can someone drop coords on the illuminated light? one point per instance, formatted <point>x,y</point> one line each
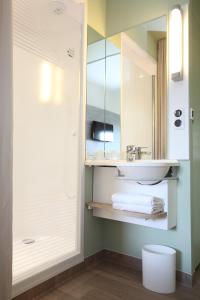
<point>108,136</point>
<point>176,44</point>
<point>102,136</point>
<point>141,76</point>
<point>58,85</point>
<point>46,82</point>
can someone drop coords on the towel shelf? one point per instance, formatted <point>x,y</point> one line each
<point>107,206</point>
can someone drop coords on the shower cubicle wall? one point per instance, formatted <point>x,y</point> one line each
<point>47,76</point>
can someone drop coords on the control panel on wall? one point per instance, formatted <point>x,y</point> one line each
<point>179,118</point>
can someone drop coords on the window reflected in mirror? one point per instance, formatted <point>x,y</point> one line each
<point>113,96</point>
<point>96,72</point>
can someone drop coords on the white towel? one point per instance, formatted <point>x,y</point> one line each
<point>137,199</point>
<point>138,208</point>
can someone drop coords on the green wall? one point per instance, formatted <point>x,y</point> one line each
<point>93,227</point>
<point>144,39</point>
<point>194,85</point>
<point>97,15</point>
<point>93,36</point>
<point>124,14</point>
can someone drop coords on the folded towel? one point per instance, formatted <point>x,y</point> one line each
<point>138,208</point>
<point>138,199</point>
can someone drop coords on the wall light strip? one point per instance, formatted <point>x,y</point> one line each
<point>176,44</point>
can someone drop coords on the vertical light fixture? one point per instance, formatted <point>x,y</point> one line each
<point>176,43</point>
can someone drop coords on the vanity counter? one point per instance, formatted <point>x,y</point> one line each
<point>116,163</point>
<point>102,163</point>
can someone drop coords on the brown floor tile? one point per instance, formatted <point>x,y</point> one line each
<point>112,282</point>
<point>80,286</point>
<point>56,295</point>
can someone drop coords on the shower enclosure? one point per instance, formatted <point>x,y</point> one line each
<point>47,78</point>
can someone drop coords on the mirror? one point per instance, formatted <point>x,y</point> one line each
<point>95,112</point>
<point>127,92</point>
<point>103,98</point>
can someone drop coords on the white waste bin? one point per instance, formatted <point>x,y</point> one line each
<point>159,268</point>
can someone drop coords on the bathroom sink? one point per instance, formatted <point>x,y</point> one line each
<point>145,170</point>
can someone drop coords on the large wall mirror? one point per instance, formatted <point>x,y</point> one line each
<point>127,92</point>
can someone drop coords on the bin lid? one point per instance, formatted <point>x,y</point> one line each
<point>159,249</point>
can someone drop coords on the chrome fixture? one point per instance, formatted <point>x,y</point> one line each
<point>28,241</point>
<point>57,7</point>
<point>135,152</point>
<point>71,52</point>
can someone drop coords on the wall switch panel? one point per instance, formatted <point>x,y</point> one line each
<point>179,118</point>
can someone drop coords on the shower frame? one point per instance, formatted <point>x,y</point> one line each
<point>68,263</point>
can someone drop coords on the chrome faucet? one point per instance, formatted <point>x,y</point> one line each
<point>134,152</point>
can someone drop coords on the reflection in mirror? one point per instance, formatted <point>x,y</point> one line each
<point>103,99</point>
<point>113,96</point>
<point>95,117</point>
<point>144,78</point>
<point>127,92</point>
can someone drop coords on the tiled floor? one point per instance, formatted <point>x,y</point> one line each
<point>111,282</point>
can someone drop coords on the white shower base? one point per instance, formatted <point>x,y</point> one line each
<point>45,252</point>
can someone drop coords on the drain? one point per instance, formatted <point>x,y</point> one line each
<point>28,241</point>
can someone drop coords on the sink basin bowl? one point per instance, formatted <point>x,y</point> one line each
<point>146,170</point>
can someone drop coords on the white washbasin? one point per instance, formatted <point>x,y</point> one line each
<point>147,170</point>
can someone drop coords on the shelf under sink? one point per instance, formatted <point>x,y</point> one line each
<point>108,207</point>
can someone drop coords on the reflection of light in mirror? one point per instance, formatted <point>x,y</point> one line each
<point>141,76</point>
<point>102,136</point>
<point>108,136</point>
<point>46,82</point>
<point>58,85</point>
<point>176,44</point>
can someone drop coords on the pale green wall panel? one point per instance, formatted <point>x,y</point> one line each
<point>93,228</point>
<point>194,17</point>
<point>144,40</point>
<point>97,15</point>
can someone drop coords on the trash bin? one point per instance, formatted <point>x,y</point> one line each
<point>159,268</point>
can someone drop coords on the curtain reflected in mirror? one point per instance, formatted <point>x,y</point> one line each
<point>160,134</point>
